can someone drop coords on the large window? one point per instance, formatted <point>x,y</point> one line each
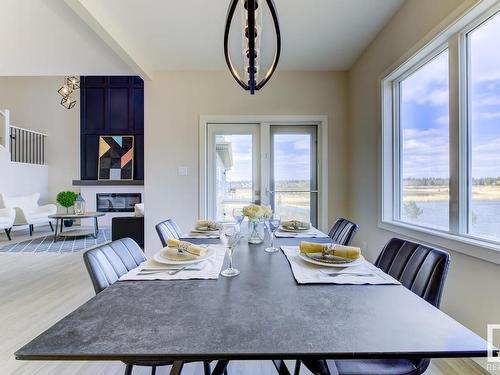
<point>424,144</point>
<point>441,134</point>
<point>484,102</point>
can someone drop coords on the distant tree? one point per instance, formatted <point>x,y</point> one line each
<point>411,210</point>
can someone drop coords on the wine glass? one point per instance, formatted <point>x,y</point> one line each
<point>229,237</point>
<point>273,224</point>
<point>238,215</point>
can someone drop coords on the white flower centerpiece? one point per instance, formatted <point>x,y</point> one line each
<point>256,214</point>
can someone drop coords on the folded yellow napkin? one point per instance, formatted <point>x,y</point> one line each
<point>350,252</point>
<point>296,224</point>
<point>207,225</point>
<point>188,246</point>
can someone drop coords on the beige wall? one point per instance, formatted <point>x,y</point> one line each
<point>174,102</point>
<point>472,285</point>
<point>34,104</point>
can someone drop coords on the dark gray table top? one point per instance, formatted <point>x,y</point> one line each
<point>262,313</point>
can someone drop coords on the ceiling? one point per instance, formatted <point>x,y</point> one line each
<point>62,36</point>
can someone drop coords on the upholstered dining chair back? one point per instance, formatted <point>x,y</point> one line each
<point>420,268</point>
<point>167,230</point>
<point>107,263</point>
<point>343,231</point>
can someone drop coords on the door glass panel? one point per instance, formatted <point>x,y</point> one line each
<point>293,174</point>
<point>234,184</point>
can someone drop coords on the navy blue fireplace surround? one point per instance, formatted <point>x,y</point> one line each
<point>110,105</point>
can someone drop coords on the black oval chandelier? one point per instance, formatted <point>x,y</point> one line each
<point>252,12</point>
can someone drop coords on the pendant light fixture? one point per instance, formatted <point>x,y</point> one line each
<point>252,15</point>
<point>71,83</point>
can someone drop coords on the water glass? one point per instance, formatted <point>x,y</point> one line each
<point>238,215</point>
<point>273,224</point>
<point>229,237</point>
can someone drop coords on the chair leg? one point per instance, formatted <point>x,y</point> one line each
<point>153,370</point>
<point>206,368</point>
<point>297,368</point>
<point>51,227</point>
<point>31,230</point>
<point>7,232</point>
<point>128,369</point>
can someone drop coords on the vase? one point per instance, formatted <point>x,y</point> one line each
<point>256,231</point>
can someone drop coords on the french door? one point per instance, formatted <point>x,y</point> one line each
<point>233,168</point>
<point>274,165</point>
<point>293,172</point>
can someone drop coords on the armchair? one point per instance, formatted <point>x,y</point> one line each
<point>28,212</point>
<point>7,217</point>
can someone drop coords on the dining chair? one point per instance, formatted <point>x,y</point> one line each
<point>343,231</point>
<point>422,270</point>
<point>105,265</point>
<point>167,230</point>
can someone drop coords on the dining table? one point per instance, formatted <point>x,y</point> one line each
<point>261,314</point>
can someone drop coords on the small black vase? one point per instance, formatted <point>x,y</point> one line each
<point>68,223</point>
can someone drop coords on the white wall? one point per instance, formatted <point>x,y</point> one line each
<point>34,104</point>
<point>21,179</point>
<point>472,286</point>
<point>47,38</point>
<point>175,100</point>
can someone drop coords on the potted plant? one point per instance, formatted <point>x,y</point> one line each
<point>66,199</point>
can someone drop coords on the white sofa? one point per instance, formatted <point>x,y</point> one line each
<point>28,212</point>
<point>7,217</point>
<point>139,209</point>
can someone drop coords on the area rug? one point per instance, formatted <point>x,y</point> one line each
<point>46,244</point>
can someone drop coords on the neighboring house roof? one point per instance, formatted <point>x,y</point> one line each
<point>225,152</point>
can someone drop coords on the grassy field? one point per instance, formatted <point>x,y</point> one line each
<point>441,193</point>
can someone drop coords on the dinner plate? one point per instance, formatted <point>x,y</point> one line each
<point>300,230</point>
<point>161,259</point>
<point>205,231</point>
<point>356,262</point>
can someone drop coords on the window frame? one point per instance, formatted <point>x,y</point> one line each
<point>451,34</point>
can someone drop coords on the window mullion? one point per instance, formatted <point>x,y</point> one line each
<point>455,203</point>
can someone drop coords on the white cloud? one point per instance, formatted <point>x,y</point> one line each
<point>485,53</point>
<point>486,159</point>
<point>425,153</point>
<point>429,84</point>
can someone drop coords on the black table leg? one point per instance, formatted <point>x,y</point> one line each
<point>60,231</point>
<point>176,368</point>
<point>96,228</point>
<point>7,232</point>
<point>220,368</point>
<point>281,367</point>
<point>51,227</point>
<point>128,369</point>
<point>57,227</point>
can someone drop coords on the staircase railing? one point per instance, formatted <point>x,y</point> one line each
<point>27,146</point>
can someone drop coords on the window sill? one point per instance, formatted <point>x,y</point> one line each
<point>476,248</point>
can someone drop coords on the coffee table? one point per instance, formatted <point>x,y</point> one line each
<point>78,232</point>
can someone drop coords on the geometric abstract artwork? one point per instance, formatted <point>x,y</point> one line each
<point>116,157</point>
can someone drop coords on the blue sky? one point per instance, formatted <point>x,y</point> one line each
<point>291,153</point>
<point>424,113</point>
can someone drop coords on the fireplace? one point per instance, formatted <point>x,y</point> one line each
<point>117,202</point>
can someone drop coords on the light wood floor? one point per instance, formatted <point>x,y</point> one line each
<point>36,290</point>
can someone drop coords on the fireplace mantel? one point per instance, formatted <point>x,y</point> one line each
<point>108,182</point>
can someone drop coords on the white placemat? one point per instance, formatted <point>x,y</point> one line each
<point>308,273</point>
<point>208,269</point>
<point>311,233</point>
